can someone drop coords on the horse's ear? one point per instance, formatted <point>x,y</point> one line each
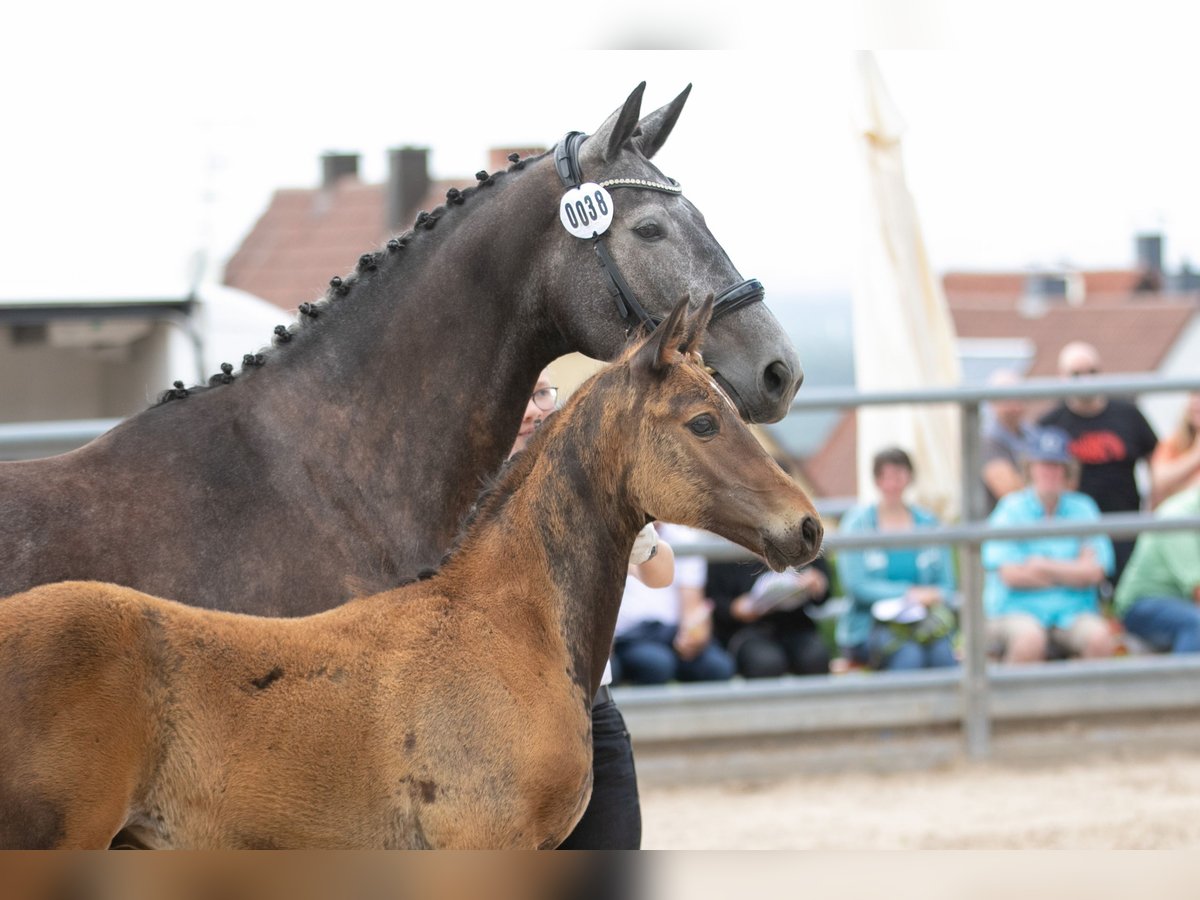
<point>697,327</point>
<point>656,127</point>
<point>609,138</point>
<point>661,349</point>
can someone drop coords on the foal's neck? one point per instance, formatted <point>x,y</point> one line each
<point>559,547</point>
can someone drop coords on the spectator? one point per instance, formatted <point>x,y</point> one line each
<point>665,634</point>
<point>1175,464</point>
<point>1041,594</point>
<point>542,402</point>
<point>1108,437</point>
<point>899,617</point>
<point>1003,438</point>
<point>764,626</point>
<point>1157,596</point>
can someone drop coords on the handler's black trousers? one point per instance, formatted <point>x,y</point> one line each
<point>613,818</point>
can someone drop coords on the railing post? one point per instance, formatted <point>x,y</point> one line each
<point>976,715</point>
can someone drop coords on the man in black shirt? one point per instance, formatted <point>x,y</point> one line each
<point>1108,437</point>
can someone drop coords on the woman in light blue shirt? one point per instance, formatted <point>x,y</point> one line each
<point>913,627</point>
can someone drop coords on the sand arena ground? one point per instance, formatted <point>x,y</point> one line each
<point>1100,803</point>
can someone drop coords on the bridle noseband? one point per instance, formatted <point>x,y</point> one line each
<point>566,163</point>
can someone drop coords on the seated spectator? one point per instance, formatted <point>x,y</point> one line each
<point>1157,595</point>
<point>899,617</point>
<point>761,617</point>
<point>1175,464</point>
<point>1042,594</point>
<point>1004,435</point>
<point>665,634</point>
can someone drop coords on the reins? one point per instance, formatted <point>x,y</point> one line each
<point>632,313</point>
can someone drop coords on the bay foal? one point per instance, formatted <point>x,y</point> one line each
<point>452,712</point>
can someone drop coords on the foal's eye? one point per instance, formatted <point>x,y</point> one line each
<point>703,426</point>
<point>648,231</point>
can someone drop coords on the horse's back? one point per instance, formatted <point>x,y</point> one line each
<point>87,514</point>
<point>79,701</point>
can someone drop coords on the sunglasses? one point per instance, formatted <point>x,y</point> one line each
<point>1079,373</point>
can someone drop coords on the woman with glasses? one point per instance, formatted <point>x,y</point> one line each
<point>542,402</point>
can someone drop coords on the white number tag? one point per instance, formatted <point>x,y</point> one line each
<point>586,211</point>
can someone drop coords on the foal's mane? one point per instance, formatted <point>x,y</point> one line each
<point>499,488</point>
<point>370,269</point>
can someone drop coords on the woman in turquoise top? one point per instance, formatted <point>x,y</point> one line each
<point>914,627</point>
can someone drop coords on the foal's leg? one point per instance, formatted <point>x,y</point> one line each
<point>76,718</point>
<point>65,787</point>
<point>32,822</point>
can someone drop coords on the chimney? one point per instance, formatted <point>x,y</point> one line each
<point>1149,262</point>
<point>408,183</point>
<point>337,165</point>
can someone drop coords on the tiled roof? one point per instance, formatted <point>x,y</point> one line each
<point>308,235</point>
<point>832,470</point>
<point>1130,338</point>
<point>1004,290</point>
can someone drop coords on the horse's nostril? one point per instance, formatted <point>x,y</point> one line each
<point>812,531</point>
<point>777,379</point>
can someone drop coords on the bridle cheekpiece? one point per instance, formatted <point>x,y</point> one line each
<point>566,164</point>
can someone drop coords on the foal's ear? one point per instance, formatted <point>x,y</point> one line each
<point>669,339</point>
<point>697,327</point>
<point>656,127</point>
<point>606,141</point>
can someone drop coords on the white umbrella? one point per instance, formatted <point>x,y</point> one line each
<point>903,333</point>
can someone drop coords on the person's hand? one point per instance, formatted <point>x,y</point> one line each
<point>812,581</point>
<point>695,631</point>
<point>645,545</point>
<point>743,610</point>
<point>926,595</point>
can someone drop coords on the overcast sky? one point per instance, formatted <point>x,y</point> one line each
<point>134,138</point>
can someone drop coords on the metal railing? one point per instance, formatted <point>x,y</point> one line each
<point>974,683</point>
<point>974,680</point>
<point>30,440</point>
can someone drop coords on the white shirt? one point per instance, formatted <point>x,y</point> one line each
<point>645,604</point>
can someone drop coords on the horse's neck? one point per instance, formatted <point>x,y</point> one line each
<point>433,362</point>
<point>572,541</point>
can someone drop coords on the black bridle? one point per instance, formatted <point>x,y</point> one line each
<point>566,163</point>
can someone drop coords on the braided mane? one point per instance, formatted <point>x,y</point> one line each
<point>370,268</point>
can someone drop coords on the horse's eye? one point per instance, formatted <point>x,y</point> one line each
<point>648,231</point>
<point>703,426</point>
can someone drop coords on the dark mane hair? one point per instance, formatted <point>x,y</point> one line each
<point>498,489</point>
<point>370,267</point>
